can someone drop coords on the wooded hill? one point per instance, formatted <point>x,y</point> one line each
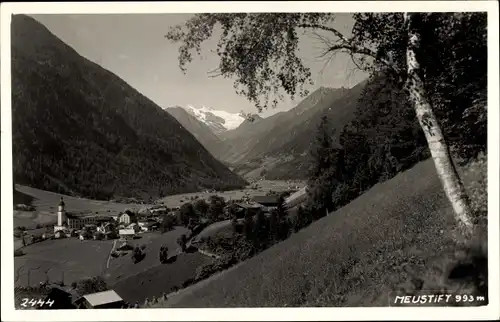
<point>79,129</point>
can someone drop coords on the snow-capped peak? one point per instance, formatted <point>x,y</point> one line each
<point>218,121</point>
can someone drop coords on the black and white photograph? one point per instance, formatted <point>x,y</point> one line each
<point>221,155</point>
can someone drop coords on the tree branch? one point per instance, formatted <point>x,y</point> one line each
<point>348,45</point>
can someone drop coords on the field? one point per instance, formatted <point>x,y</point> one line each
<point>398,235</point>
<point>122,267</point>
<point>264,187</point>
<point>67,260</point>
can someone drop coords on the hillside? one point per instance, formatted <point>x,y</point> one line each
<point>341,260</point>
<point>81,130</point>
<point>198,129</point>
<point>277,147</point>
<point>255,139</point>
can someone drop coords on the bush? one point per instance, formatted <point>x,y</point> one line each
<point>137,255</point>
<point>182,242</point>
<point>91,285</point>
<point>18,252</point>
<point>167,223</point>
<point>163,255</point>
<point>218,265</point>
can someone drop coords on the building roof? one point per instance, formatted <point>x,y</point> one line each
<point>296,197</point>
<point>266,199</point>
<point>253,205</point>
<point>126,232</point>
<point>72,215</point>
<point>101,298</point>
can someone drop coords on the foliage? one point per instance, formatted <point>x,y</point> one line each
<point>187,212</point>
<point>91,285</point>
<point>168,222</point>
<point>163,255</point>
<point>201,207</point>
<point>137,255</point>
<point>216,208</point>
<point>326,167</point>
<point>453,61</point>
<point>182,242</point>
<point>257,50</point>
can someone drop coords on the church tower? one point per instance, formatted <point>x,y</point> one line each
<point>61,213</point>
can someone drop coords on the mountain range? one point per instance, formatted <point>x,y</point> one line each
<point>277,147</point>
<point>217,120</point>
<point>79,129</point>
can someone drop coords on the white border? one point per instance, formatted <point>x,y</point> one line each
<point>270,314</point>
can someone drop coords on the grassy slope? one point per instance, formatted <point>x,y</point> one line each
<point>81,130</point>
<point>353,257</point>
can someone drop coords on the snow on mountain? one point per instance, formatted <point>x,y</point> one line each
<point>218,121</point>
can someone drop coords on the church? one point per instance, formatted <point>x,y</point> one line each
<point>68,222</point>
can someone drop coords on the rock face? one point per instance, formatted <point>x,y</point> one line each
<point>80,129</point>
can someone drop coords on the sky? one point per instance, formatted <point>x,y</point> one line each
<point>133,47</point>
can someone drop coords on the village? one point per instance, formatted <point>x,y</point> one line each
<point>108,237</point>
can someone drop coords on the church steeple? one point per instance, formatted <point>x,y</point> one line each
<point>61,213</point>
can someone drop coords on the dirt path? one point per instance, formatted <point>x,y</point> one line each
<point>111,251</point>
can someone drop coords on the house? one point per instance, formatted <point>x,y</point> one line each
<point>148,225</point>
<point>105,227</point>
<point>135,227</point>
<point>269,202</point>
<point>101,300</point>
<point>126,233</point>
<point>127,218</point>
<point>78,221</point>
<point>158,211</point>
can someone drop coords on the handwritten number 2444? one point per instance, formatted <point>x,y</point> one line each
<point>26,302</point>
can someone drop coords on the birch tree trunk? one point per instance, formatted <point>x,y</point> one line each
<point>440,152</point>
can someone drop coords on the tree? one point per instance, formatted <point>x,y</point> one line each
<point>201,207</point>
<point>248,225</point>
<point>182,242</point>
<point>260,51</point>
<point>163,255</point>
<point>325,169</point>
<point>137,255</point>
<point>186,212</point>
<point>216,207</point>
<point>168,223</point>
